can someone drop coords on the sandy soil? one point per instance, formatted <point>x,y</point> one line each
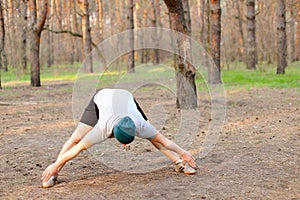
<point>256,157</point>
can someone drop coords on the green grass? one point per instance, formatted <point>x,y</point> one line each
<point>264,76</point>
<point>54,73</point>
<point>236,78</point>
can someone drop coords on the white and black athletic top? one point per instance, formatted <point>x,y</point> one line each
<point>114,104</point>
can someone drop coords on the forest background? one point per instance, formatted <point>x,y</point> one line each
<point>254,32</point>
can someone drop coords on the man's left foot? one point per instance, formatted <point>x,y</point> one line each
<point>186,169</point>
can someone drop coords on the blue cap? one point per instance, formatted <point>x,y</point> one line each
<point>124,131</point>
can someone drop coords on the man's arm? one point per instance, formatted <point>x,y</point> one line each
<point>68,155</point>
<point>168,144</point>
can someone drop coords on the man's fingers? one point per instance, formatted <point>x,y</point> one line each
<point>193,164</point>
<point>46,175</point>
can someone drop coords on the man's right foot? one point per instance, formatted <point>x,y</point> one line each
<point>186,169</point>
<point>51,182</point>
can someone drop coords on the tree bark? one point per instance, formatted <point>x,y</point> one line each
<point>187,16</point>
<point>240,21</point>
<point>251,29</point>
<point>142,21</point>
<point>68,8</point>
<point>24,35</point>
<point>156,22</point>
<point>281,38</point>
<point>130,27</point>
<point>297,55</point>
<point>75,29</point>
<point>2,34</point>
<point>3,58</point>
<point>86,33</point>
<point>100,19</point>
<point>214,72</point>
<point>201,13</point>
<point>37,24</point>
<point>11,20</point>
<point>292,24</point>
<point>185,72</point>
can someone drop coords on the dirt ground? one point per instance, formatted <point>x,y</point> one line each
<point>257,155</point>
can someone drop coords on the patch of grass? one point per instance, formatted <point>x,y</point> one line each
<point>264,76</point>
<point>237,77</point>
<point>53,73</point>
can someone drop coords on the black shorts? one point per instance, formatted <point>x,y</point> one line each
<point>90,115</point>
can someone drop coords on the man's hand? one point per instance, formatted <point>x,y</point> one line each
<point>188,157</point>
<point>50,171</point>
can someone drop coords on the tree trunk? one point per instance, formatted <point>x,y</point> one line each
<point>118,16</point>
<point>251,50</point>
<point>2,33</point>
<point>86,35</point>
<point>187,16</point>
<point>292,31</point>
<point>130,27</point>
<point>201,13</point>
<point>68,8</point>
<point>281,38</point>
<point>100,20</point>
<point>208,28</point>
<point>240,18</point>
<point>156,22</point>
<point>297,55</point>
<point>185,72</point>
<point>24,36</point>
<point>37,24</point>
<point>141,21</point>
<point>11,19</point>
<point>3,59</point>
<point>75,29</point>
<point>51,39</point>
<point>111,15</point>
<point>214,72</point>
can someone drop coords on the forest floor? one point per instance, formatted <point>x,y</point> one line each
<point>257,155</point>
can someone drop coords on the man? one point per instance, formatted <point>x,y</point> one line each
<point>114,113</point>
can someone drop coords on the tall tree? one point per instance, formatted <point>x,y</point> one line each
<point>130,27</point>
<point>75,29</point>
<point>292,23</point>
<point>99,20</point>
<point>141,20</point>
<point>2,38</point>
<point>11,21</point>
<point>214,72</point>
<point>281,38</point>
<point>187,16</point>
<point>201,14</point>
<point>241,31</point>
<point>251,29</point>
<point>185,72</point>
<point>297,56</point>
<point>3,59</point>
<point>86,35</point>
<point>156,22</point>
<point>37,23</point>
<point>24,35</point>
